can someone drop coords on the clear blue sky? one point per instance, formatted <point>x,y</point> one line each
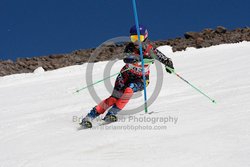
<point>42,27</point>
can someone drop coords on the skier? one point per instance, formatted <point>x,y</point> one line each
<point>130,80</point>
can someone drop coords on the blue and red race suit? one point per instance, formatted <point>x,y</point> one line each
<point>130,79</point>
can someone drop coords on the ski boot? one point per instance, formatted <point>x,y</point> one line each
<point>111,115</point>
<point>87,121</point>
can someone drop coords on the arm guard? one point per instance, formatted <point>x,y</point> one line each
<point>131,59</point>
<point>164,60</point>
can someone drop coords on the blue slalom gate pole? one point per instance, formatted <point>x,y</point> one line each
<point>141,54</point>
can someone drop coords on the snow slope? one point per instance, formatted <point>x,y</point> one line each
<point>37,111</point>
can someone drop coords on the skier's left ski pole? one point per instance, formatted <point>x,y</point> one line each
<point>173,71</point>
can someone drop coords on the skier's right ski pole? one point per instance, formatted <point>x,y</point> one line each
<point>173,71</point>
<point>147,61</point>
<point>77,91</point>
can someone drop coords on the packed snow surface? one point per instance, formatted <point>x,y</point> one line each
<point>38,114</point>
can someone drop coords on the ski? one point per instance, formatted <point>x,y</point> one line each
<point>105,121</point>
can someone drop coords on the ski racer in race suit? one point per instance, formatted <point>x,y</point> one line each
<point>130,79</point>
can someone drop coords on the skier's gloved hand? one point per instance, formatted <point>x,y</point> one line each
<point>131,59</point>
<point>169,64</point>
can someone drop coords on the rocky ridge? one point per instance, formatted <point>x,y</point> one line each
<point>205,38</point>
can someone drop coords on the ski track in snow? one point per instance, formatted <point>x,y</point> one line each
<point>37,110</point>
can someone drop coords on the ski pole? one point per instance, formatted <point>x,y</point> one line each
<point>77,91</point>
<point>173,71</point>
<point>148,61</point>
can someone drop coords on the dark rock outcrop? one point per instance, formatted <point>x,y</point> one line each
<point>206,38</point>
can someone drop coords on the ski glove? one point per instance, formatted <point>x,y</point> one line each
<point>169,63</point>
<point>131,59</point>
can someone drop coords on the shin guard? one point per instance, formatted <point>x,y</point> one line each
<point>105,104</point>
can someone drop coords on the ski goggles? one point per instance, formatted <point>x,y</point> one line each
<point>134,38</point>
